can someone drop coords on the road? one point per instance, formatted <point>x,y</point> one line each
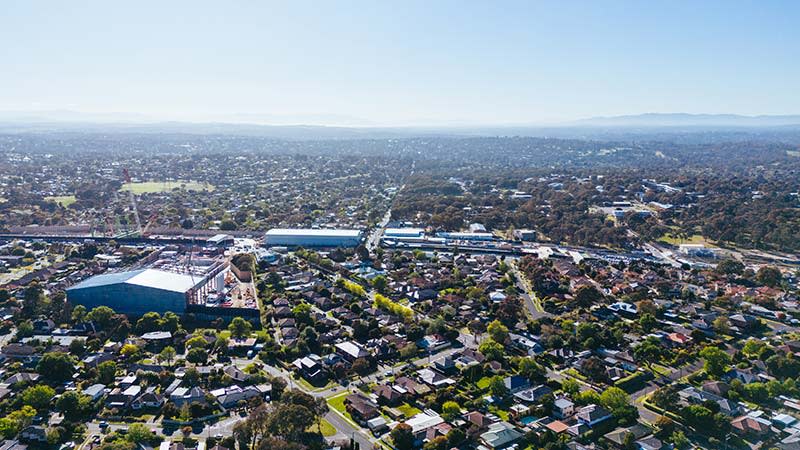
<point>641,395</point>
<point>374,237</point>
<point>531,301</point>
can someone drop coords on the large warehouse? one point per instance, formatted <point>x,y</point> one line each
<point>137,292</point>
<point>307,237</point>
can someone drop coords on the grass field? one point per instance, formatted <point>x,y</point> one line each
<point>63,200</point>
<point>147,187</point>
<point>674,240</point>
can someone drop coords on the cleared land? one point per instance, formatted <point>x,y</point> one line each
<point>674,240</point>
<point>63,200</point>
<point>148,187</point>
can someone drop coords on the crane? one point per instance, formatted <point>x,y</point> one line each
<point>127,175</point>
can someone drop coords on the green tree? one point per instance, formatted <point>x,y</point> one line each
<point>240,328</point>
<point>101,315</point>
<point>139,433</point>
<point>679,440</point>
<point>450,410</point>
<point>38,397</point>
<point>730,267</point>
<point>78,313</point>
<point>73,404</point>
<point>14,422</point>
<point>106,372</point>
<point>402,437</point>
<point>769,276</point>
<point>167,354</point>
<point>587,296</point>
<point>648,351</point>
<point>715,361</point>
<point>56,366</point>
<point>497,387</point>
<point>149,322</point>
<point>619,403</point>
<point>492,350</point>
<point>570,386</point>
<point>197,356</point>
<point>497,331</point>
<point>530,369</point>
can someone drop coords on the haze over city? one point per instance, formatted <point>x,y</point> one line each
<point>387,64</point>
<point>441,225</point>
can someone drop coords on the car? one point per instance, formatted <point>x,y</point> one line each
<point>218,436</point>
<point>103,425</point>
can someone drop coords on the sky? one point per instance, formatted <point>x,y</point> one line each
<point>399,63</point>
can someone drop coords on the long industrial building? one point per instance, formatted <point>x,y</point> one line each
<point>307,237</point>
<point>137,292</point>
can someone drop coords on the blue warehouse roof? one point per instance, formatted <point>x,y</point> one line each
<point>152,278</point>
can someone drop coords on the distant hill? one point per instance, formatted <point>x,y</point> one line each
<point>689,120</point>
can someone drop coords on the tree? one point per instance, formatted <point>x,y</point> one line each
<point>139,433</point>
<point>769,276</point>
<point>14,422</point>
<point>196,342</point>
<point>647,322</point>
<point>679,440</point>
<point>666,397</point>
<point>530,369</point>
<point>56,366</point>
<point>497,386</point>
<point>77,347</point>
<point>129,350</point>
<point>167,354</point>
<point>570,386</point>
<point>497,331</point>
<point>721,325</point>
<point>587,296</point>
<point>492,350</point>
<point>149,322</point>
<point>648,351</point>
<point>380,283</point>
<point>402,437</point>
<point>450,410</point>
<point>38,397</point>
<point>228,225</point>
<point>79,313</point>
<point>730,267</point>
<point>239,328</point>
<point>716,361</point>
<point>361,366</point>
<point>619,403</point>
<point>101,315</point>
<point>106,372</point>
<point>73,404</point>
<point>197,356</point>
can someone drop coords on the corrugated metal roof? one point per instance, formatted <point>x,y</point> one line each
<point>152,278</point>
<point>313,232</point>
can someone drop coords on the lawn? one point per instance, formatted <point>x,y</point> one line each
<point>328,430</point>
<point>484,382</point>
<point>166,186</point>
<point>408,410</point>
<point>63,200</point>
<point>337,402</point>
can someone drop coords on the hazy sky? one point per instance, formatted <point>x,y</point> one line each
<point>400,62</point>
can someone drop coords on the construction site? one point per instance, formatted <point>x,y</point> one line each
<point>175,281</point>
